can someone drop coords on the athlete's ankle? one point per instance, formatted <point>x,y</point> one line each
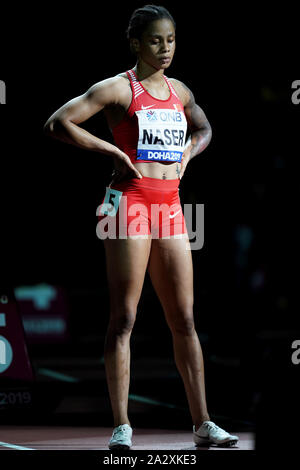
<point>119,422</point>
<point>199,422</point>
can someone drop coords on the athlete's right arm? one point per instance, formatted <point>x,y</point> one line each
<point>63,124</point>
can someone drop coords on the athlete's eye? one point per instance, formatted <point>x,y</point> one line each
<point>157,41</point>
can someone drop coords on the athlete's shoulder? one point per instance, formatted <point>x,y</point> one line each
<point>183,92</point>
<point>116,82</point>
<point>123,75</point>
<point>115,89</point>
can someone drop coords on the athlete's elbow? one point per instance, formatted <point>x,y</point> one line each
<point>48,127</point>
<point>53,127</point>
<point>209,133</point>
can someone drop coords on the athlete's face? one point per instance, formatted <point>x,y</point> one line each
<point>157,45</point>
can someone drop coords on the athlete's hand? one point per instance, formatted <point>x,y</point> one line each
<point>184,161</point>
<point>124,168</point>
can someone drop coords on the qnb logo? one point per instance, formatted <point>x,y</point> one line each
<point>296,354</point>
<point>296,94</point>
<point>2,92</point>
<point>164,116</point>
<point>151,116</point>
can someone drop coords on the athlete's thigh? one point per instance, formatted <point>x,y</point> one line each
<point>171,272</point>
<point>126,264</point>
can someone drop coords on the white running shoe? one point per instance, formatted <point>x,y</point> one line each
<point>209,432</point>
<point>121,437</point>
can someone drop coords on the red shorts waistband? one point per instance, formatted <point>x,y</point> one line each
<point>147,182</point>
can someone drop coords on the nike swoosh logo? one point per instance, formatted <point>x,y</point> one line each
<point>174,215</point>
<point>147,107</point>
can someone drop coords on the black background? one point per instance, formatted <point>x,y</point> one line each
<point>50,190</point>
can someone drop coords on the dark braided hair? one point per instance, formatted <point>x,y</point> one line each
<point>142,17</point>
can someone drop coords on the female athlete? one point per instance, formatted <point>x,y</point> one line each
<point>149,115</point>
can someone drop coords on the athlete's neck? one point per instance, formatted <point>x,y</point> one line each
<point>147,72</point>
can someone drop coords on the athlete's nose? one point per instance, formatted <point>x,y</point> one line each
<point>166,47</point>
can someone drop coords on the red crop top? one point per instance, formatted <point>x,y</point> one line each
<point>152,129</point>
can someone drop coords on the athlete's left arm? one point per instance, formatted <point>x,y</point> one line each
<point>198,124</point>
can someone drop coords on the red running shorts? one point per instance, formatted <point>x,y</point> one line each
<point>141,207</point>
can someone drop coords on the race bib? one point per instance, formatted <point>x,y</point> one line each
<point>162,134</point>
<point>111,202</point>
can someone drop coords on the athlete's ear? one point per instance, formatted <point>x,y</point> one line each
<point>134,45</point>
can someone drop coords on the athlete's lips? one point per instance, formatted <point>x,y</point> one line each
<point>165,59</point>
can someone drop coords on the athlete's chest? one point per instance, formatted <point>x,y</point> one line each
<point>159,92</point>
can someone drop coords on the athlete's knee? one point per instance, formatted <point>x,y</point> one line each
<point>182,323</point>
<point>122,320</point>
